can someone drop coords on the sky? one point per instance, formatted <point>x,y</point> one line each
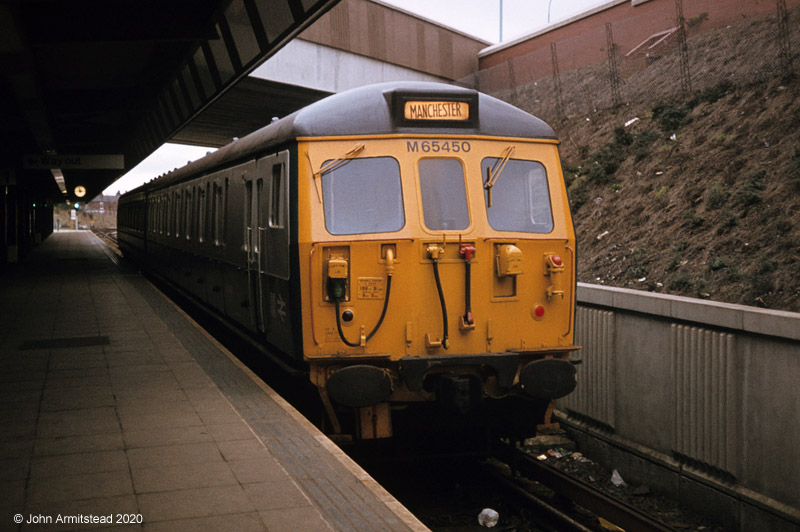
<point>167,157</point>
<point>475,17</point>
<point>482,17</point>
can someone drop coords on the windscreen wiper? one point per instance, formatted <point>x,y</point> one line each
<point>332,165</point>
<point>494,172</point>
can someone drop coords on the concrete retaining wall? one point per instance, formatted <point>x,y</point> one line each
<point>706,391</point>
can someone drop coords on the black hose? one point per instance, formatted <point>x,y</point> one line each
<point>377,325</point>
<point>385,306</point>
<point>467,294</point>
<point>441,302</point>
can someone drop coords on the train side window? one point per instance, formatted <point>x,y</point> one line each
<point>218,212</point>
<point>444,194</point>
<point>223,208</point>
<point>248,214</point>
<point>363,196</point>
<point>179,213</point>
<point>195,210</point>
<point>277,203</point>
<point>215,214</point>
<point>201,214</point>
<point>259,221</point>
<point>168,214</point>
<point>176,214</point>
<point>187,210</point>
<point>520,197</point>
<point>162,208</point>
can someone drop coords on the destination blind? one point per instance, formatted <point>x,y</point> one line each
<point>436,110</point>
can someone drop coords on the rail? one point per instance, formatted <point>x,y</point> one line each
<point>106,234</point>
<point>615,511</point>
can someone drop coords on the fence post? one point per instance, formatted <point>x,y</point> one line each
<point>557,80</point>
<point>613,73</point>
<point>513,82</point>
<point>686,81</point>
<point>785,53</point>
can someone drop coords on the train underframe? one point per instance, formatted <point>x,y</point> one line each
<point>507,394</point>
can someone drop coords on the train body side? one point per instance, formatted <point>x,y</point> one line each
<point>225,239</point>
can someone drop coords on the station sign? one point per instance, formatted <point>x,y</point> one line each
<point>109,161</point>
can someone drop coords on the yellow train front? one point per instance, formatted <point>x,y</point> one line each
<point>408,244</point>
<point>436,258</point>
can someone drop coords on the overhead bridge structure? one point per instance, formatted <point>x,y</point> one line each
<point>356,43</point>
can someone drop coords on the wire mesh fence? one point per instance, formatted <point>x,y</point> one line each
<point>655,56</point>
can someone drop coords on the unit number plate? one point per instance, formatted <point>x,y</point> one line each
<point>437,146</point>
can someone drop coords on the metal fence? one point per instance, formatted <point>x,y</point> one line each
<point>614,64</point>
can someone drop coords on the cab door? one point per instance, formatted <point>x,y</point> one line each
<point>254,218</point>
<point>273,236</point>
<point>274,171</point>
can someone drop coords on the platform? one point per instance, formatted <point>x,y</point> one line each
<point>114,404</point>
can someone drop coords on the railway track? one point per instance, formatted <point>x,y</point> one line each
<point>548,516</point>
<point>106,234</point>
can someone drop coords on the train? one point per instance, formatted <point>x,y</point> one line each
<point>407,245</point>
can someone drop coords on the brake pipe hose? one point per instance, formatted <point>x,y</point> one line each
<point>467,251</point>
<point>467,295</point>
<point>435,262</point>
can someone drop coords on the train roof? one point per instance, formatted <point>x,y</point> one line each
<point>374,110</point>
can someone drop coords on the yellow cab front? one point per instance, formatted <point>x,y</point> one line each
<point>434,266</point>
